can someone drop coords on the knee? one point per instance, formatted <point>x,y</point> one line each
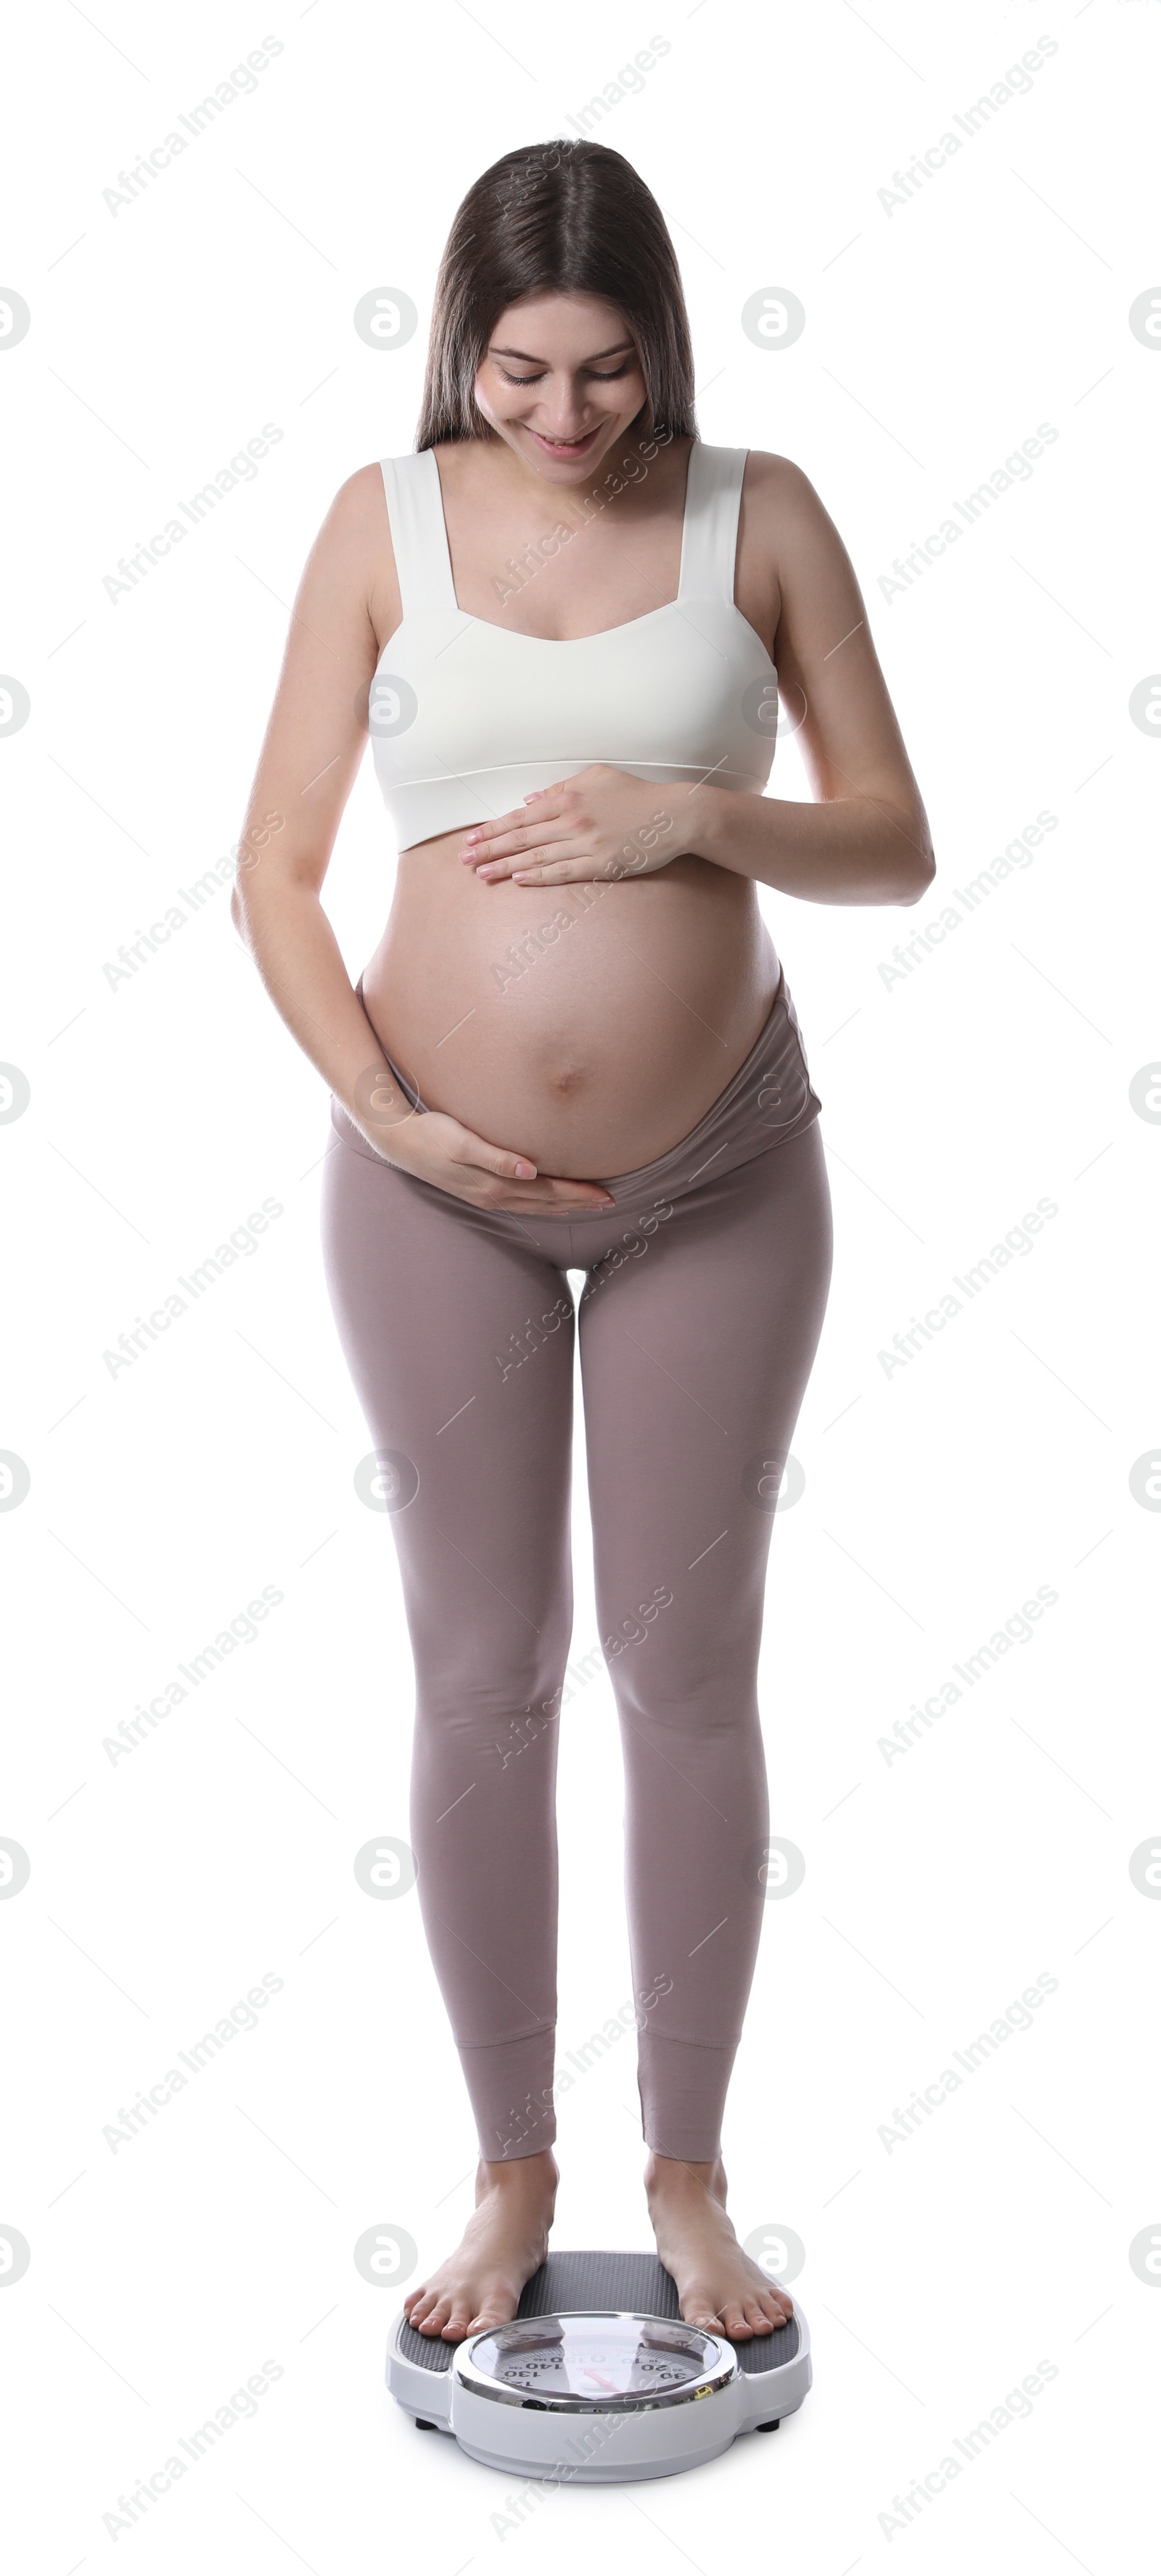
<point>522,1725</point>
<point>708,1697</point>
<point>678,1672</point>
<point>473,1701</point>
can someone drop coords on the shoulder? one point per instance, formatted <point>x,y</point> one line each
<point>351,566</point>
<point>784,516</point>
<point>775,489</point>
<point>359,506</point>
<point>357,527</point>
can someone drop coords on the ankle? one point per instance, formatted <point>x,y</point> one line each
<point>668,2175</point>
<point>531,2177</point>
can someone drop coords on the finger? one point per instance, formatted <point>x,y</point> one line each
<point>512,845</point>
<point>526,863</point>
<point>547,852</point>
<point>545,1191</point>
<point>482,835</point>
<point>528,1199</point>
<point>476,1154</point>
<point>581,863</point>
<point>552,872</point>
<point>496,823</point>
<point>581,1198</point>
<point>493,871</point>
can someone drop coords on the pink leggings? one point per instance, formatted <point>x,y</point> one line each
<point>699,1319</point>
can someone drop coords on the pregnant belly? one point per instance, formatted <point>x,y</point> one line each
<point>589,1026</point>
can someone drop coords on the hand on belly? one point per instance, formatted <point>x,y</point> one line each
<point>589,1026</point>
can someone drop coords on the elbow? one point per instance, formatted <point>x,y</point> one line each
<point>918,882</point>
<point>264,901</point>
<point>240,917</point>
<point>919,873</point>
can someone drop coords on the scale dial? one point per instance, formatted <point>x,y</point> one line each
<point>595,2359</point>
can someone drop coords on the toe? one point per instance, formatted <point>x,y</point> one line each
<point>757,2317</point>
<point>432,2322</point>
<point>737,2325</point>
<point>492,2312</point>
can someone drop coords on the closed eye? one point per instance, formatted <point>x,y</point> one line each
<point>597,377</point>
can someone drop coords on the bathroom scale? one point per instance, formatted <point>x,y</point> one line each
<point>597,2378</point>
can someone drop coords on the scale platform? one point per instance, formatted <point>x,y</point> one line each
<point>598,2379</point>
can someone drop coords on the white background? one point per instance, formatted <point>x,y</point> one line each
<point>938,2270</point>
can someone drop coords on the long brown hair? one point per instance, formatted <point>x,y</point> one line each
<point>563,217</point>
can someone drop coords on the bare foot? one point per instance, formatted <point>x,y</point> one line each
<point>718,2286</point>
<point>504,2243</point>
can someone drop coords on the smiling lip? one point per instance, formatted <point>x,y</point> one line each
<point>563,447</point>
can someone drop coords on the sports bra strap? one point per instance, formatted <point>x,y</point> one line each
<point>710,542</point>
<point>418,533</point>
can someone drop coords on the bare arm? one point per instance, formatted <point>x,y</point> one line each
<point>348,599</point>
<point>312,749</point>
<point>867,839</point>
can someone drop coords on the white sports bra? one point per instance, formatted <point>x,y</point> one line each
<point>468,717</point>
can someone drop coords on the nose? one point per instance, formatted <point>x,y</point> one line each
<point>565,420</point>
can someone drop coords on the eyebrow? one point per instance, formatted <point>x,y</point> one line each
<point>526,358</point>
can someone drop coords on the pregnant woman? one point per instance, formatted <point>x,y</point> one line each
<point>565,622</point>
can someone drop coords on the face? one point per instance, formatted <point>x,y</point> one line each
<point>560,382</point>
